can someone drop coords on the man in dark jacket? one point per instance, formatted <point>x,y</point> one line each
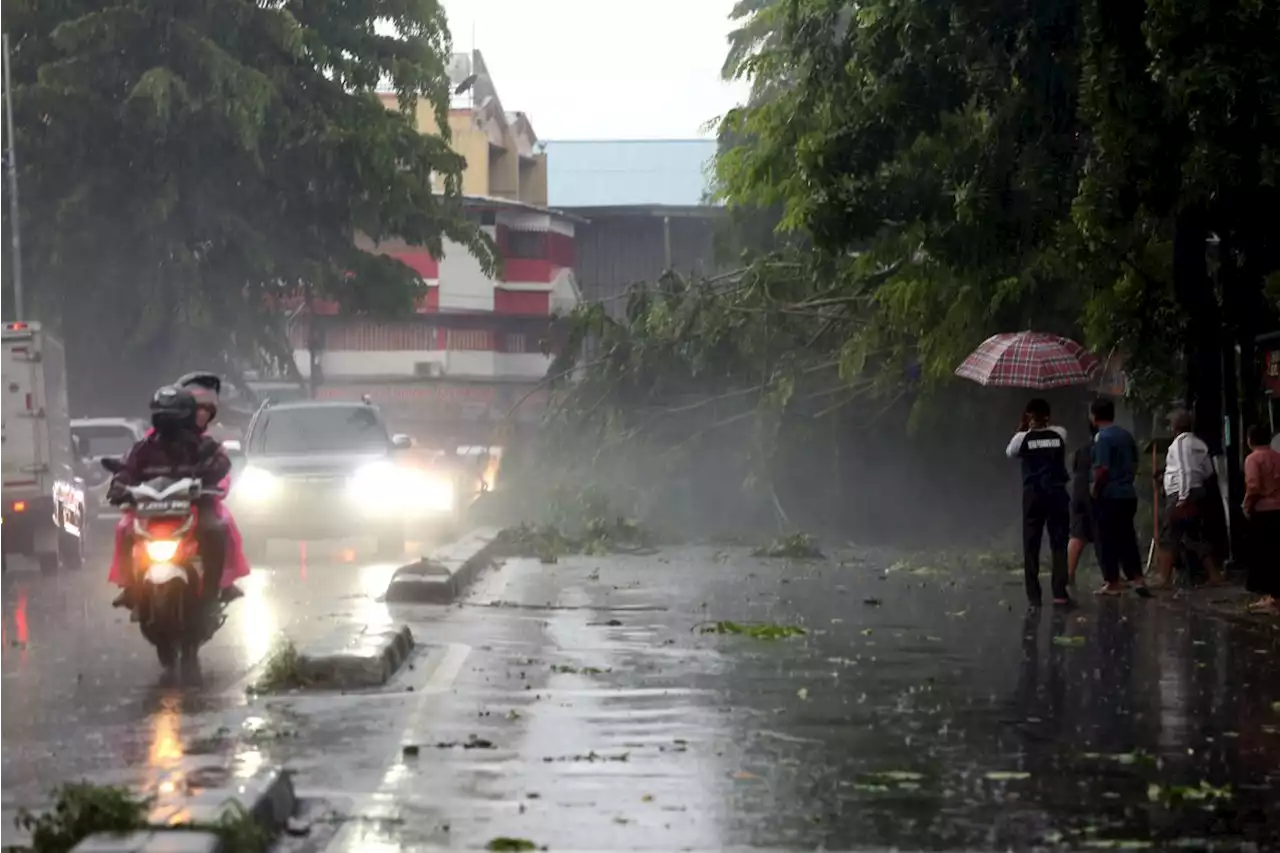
<point>176,447</point>
<point>1045,503</point>
<point>1115,501</point>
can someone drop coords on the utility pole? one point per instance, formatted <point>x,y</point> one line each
<point>11,163</point>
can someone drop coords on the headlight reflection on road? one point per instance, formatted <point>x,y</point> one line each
<point>374,580</point>
<point>258,622</point>
<point>165,752</point>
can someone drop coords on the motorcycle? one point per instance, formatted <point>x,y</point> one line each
<point>166,559</point>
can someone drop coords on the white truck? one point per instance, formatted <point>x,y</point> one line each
<point>36,446</point>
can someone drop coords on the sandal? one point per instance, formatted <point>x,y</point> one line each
<point>1109,589</point>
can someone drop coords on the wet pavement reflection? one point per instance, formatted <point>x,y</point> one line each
<point>580,705</point>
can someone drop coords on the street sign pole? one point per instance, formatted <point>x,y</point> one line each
<point>11,163</point>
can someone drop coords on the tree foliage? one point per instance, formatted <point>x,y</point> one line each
<point>185,166</point>
<point>944,171</point>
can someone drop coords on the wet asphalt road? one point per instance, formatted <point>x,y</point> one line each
<point>577,705</point>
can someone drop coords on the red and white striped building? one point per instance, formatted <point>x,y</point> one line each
<point>475,346</point>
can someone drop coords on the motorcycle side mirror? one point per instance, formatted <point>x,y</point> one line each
<point>112,464</point>
<point>232,447</point>
<point>400,441</point>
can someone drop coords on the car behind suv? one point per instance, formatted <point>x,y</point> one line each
<point>328,470</point>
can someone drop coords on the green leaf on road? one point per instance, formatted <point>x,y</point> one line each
<point>1067,640</point>
<point>1204,793</point>
<point>503,843</point>
<point>757,631</point>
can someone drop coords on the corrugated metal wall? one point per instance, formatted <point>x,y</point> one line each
<point>616,250</point>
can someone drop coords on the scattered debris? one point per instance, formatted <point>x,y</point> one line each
<point>755,630</point>
<point>591,756</point>
<point>1007,775</point>
<point>503,843</point>
<point>1068,640</point>
<point>797,546</point>
<point>1176,795</point>
<point>1125,758</point>
<point>600,535</point>
<point>586,670</point>
<point>282,670</point>
<point>472,742</point>
<point>82,809</point>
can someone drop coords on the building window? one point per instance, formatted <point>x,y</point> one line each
<point>470,339</point>
<point>515,342</point>
<point>527,244</point>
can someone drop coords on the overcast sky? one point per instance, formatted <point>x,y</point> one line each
<point>603,69</point>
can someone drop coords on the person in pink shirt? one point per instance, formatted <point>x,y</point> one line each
<point>1262,509</point>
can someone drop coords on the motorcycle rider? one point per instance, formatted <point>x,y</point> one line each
<point>175,443</point>
<point>206,386</point>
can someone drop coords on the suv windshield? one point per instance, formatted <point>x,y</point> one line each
<point>321,429</point>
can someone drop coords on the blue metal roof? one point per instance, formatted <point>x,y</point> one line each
<point>610,173</point>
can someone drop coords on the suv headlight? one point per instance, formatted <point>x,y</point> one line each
<point>376,483</point>
<point>256,484</point>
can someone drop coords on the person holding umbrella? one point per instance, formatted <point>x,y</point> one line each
<point>1039,361</point>
<point>1042,448</point>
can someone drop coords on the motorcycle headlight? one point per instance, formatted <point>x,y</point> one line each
<point>162,550</point>
<point>256,484</point>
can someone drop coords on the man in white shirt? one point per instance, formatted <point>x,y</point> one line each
<point>1188,468</point>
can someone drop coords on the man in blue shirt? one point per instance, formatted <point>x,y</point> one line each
<point>1041,447</point>
<point>1115,500</point>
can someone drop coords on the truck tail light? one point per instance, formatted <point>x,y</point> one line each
<point>19,506</point>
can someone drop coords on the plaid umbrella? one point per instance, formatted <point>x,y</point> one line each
<point>1028,360</point>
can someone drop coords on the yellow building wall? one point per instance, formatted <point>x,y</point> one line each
<point>491,170</point>
<point>533,180</point>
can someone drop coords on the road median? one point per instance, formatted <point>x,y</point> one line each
<point>444,575</point>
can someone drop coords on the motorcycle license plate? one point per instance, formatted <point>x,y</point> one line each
<point>164,508</point>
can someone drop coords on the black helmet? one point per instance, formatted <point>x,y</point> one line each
<point>206,387</point>
<point>173,409</point>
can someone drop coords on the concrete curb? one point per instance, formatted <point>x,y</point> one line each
<point>178,821</point>
<point>355,658</point>
<point>444,575</point>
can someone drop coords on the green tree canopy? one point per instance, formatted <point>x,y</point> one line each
<point>184,166</point>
